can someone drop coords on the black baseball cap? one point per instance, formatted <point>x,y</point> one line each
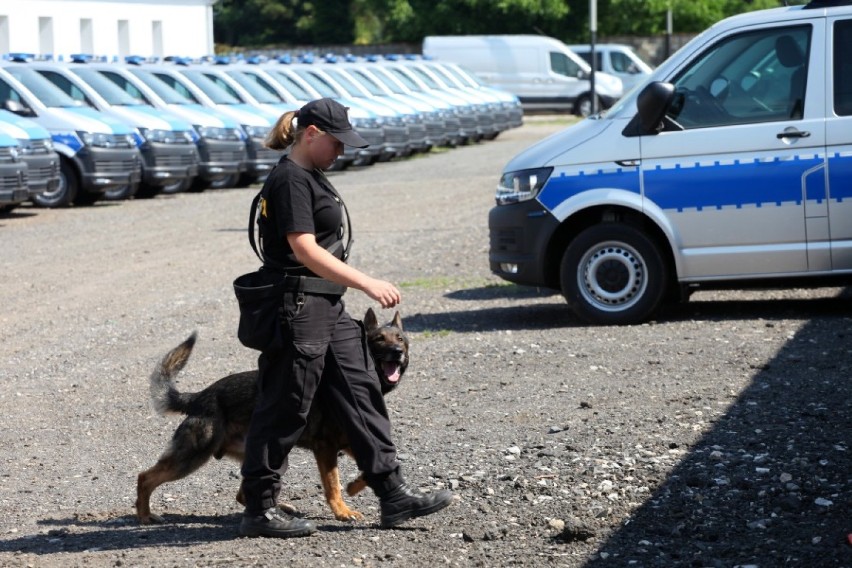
<point>330,116</point>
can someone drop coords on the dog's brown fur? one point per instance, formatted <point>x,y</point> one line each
<point>217,420</point>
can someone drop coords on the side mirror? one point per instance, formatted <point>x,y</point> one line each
<point>17,108</point>
<point>652,104</point>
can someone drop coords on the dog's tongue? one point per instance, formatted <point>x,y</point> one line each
<point>391,371</point>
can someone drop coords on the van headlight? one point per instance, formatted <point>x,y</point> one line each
<point>521,185</point>
<point>161,136</point>
<point>96,139</point>
<point>256,131</point>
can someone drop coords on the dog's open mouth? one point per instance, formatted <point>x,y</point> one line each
<point>391,371</point>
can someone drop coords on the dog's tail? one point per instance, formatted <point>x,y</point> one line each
<point>164,395</point>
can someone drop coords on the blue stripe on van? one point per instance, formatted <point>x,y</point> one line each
<point>840,176</point>
<point>68,139</point>
<point>564,186</point>
<point>736,184</point>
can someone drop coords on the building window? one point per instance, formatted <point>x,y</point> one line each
<point>123,38</point>
<point>157,37</point>
<point>87,36</point>
<point>45,35</point>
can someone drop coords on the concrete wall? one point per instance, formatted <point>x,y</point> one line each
<point>111,28</point>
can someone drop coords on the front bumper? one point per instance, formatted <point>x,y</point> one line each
<point>13,183</point>
<point>220,158</point>
<point>105,168</point>
<point>43,172</point>
<point>260,159</point>
<point>164,164</point>
<point>519,236</point>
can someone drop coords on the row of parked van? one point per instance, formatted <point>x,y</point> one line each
<point>87,129</point>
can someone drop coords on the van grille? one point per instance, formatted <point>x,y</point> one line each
<point>17,181</point>
<point>124,167</point>
<point>175,161</point>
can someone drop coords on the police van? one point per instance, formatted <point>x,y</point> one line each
<point>36,150</point>
<point>732,166</point>
<point>13,174</point>
<point>166,142</point>
<point>98,153</point>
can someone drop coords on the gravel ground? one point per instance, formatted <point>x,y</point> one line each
<point>717,435</point>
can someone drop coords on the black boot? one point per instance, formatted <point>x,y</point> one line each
<point>403,502</point>
<point>275,524</point>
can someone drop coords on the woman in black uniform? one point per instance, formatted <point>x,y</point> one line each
<point>300,222</point>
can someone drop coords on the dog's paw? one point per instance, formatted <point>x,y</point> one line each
<point>348,516</point>
<point>151,519</point>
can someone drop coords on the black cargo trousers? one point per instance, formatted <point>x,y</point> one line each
<point>321,343</point>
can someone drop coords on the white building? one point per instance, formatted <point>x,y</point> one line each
<point>111,28</point>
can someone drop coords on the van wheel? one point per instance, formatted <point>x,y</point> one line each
<point>123,192</point>
<point>583,106</point>
<point>226,182</point>
<point>176,187</point>
<point>65,191</point>
<point>613,274</point>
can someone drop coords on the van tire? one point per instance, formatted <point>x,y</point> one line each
<point>123,192</point>
<point>176,187</point>
<point>228,182</point>
<point>65,192</point>
<point>583,105</point>
<point>613,274</point>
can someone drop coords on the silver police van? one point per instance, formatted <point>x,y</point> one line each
<point>732,166</point>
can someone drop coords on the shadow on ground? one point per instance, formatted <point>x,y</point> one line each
<point>771,483</point>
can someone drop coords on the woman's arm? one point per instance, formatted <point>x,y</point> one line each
<point>324,264</point>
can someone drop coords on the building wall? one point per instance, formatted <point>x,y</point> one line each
<point>111,28</point>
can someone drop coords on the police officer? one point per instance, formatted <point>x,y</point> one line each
<point>300,224</point>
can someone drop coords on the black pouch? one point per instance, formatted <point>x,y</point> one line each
<point>261,306</point>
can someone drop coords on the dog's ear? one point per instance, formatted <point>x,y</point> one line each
<point>370,321</point>
<point>397,321</point>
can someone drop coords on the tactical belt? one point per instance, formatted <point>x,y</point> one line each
<point>312,285</point>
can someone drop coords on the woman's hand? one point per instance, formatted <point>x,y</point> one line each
<point>324,264</point>
<point>383,292</point>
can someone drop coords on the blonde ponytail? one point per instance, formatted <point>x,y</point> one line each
<point>282,134</point>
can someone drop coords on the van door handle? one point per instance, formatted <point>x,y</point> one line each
<point>793,133</point>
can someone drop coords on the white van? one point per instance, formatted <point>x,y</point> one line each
<point>616,59</point>
<point>731,166</point>
<point>541,71</point>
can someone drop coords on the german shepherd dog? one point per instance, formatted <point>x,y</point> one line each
<point>217,420</point>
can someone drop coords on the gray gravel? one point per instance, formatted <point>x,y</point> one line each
<point>717,435</point>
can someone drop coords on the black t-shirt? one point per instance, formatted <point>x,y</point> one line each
<point>296,200</point>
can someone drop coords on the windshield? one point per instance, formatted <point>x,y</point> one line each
<point>426,78</point>
<point>216,93</point>
<point>459,76</point>
<point>386,80</point>
<point>346,82</point>
<point>444,75</point>
<point>49,94</point>
<point>111,92</point>
<point>368,82</point>
<point>292,86</point>
<point>259,93</point>
<point>322,86</point>
<point>404,79</point>
<point>165,92</point>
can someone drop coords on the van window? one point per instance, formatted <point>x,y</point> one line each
<point>843,67</point>
<point>747,78</point>
<point>67,86</point>
<point>622,63</point>
<point>562,64</point>
<point>7,93</point>
<point>587,57</point>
